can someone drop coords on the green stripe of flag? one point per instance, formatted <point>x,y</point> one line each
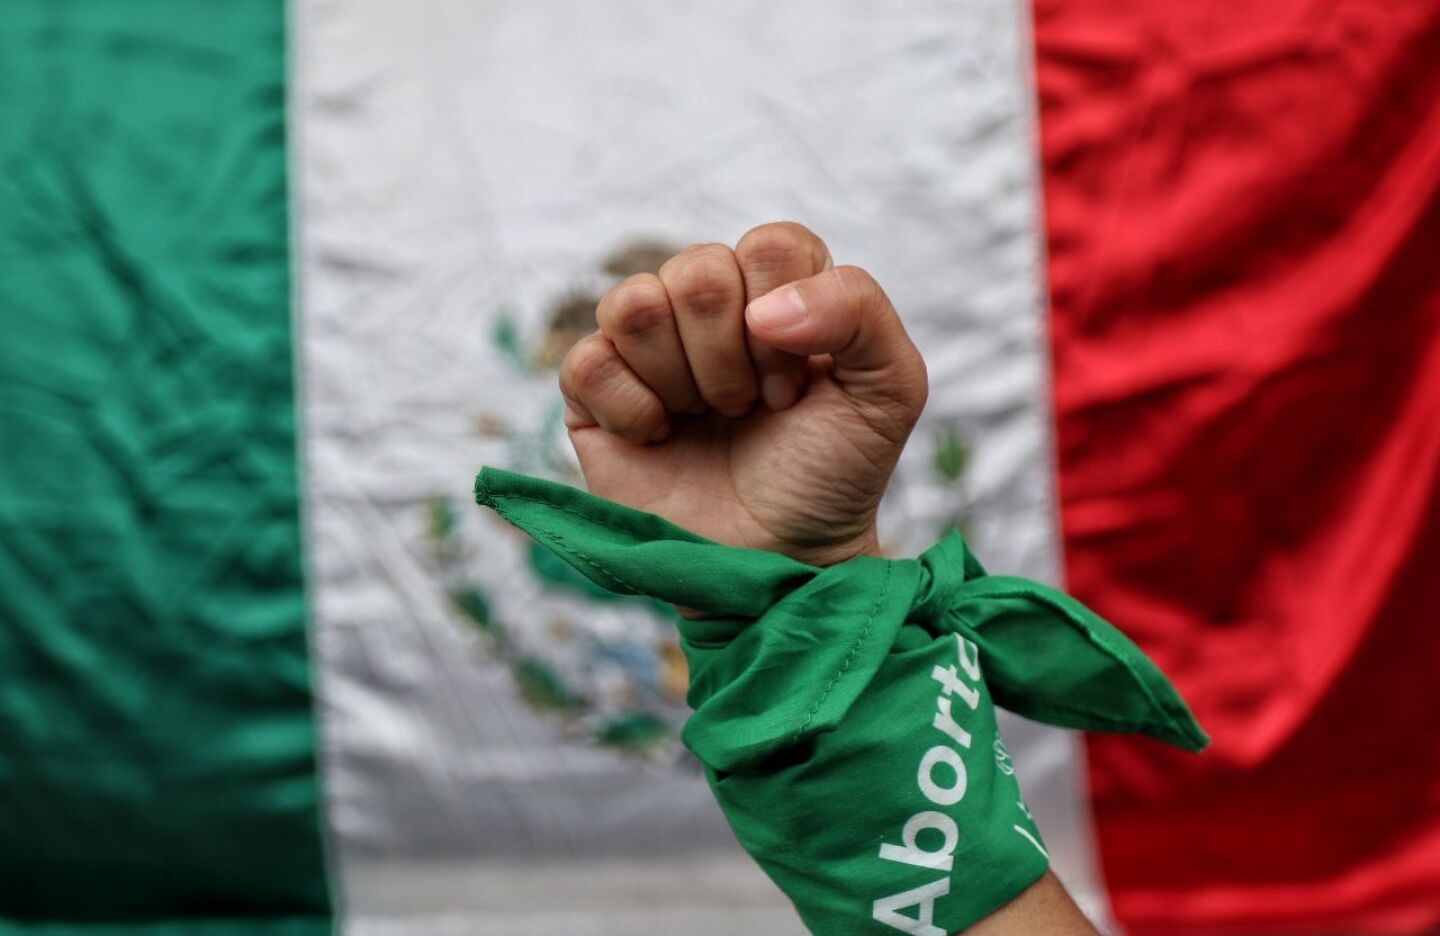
<point>157,738</point>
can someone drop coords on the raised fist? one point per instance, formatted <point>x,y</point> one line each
<point>758,396</point>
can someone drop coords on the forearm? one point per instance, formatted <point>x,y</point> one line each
<point>1043,909</point>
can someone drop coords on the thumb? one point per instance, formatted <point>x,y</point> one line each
<point>844,313</point>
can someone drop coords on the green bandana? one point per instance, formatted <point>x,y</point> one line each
<point>842,716</point>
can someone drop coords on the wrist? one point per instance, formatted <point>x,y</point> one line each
<point>866,543</point>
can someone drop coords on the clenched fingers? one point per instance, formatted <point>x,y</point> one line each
<point>678,342</point>
<point>636,316</point>
<point>601,389</point>
<point>707,294</point>
<point>771,256</point>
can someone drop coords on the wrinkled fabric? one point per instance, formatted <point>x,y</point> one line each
<point>842,713</point>
<point>1243,213</point>
<point>157,750</point>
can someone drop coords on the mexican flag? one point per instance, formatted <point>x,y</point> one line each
<point>277,279</point>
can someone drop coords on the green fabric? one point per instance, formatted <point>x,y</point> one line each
<point>845,716</point>
<point>180,926</point>
<point>157,740</point>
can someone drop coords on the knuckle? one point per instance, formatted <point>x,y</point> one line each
<point>635,307</point>
<point>588,366</point>
<point>856,284</point>
<point>780,246</point>
<point>704,280</point>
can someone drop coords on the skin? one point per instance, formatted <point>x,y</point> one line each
<point>761,396</point>
<point>1045,909</point>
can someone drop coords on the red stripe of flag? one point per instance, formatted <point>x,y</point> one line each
<point>1243,219</point>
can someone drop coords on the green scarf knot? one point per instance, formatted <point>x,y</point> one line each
<point>845,716</point>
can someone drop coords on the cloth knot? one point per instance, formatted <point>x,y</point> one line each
<point>945,568</point>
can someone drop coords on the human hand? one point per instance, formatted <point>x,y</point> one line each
<point>759,397</point>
